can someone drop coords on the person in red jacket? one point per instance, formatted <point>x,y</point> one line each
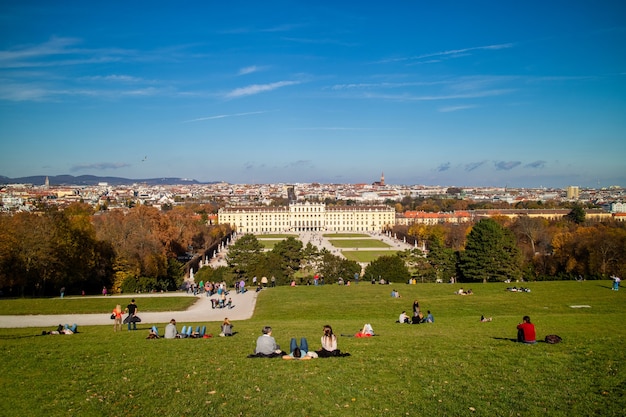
<point>526,331</point>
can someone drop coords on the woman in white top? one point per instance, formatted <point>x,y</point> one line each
<point>329,340</point>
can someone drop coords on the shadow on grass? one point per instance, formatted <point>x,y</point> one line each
<point>9,337</point>
<point>510,339</point>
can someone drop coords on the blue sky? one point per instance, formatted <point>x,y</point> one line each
<point>480,93</point>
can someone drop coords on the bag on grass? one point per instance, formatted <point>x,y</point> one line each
<point>553,339</point>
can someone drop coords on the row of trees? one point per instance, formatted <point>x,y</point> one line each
<point>490,250</point>
<point>79,249</point>
<point>529,248</point>
<point>140,250</point>
<point>288,258</point>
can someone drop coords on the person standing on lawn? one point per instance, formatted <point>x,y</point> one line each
<point>132,312</point>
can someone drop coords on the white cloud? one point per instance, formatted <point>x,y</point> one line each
<point>456,108</point>
<point>248,70</point>
<point>258,88</point>
<point>223,116</point>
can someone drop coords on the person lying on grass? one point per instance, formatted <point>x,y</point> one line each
<point>300,352</point>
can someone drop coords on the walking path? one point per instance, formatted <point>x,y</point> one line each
<point>200,311</point>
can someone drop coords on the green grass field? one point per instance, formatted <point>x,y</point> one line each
<point>279,236</point>
<point>455,366</point>
<point>269,243</point>
<point>349,235</point>
<point>358,243</point>
<point>366,255</point>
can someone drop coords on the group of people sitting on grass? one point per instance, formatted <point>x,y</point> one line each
<point>171,331</point>
<point>418,317</point>
<point>266,347</point>
<point>461,291</point>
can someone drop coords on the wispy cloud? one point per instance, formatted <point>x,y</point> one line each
<point>100,166</point>
<point>302,163</point>
<point>223,116</point>
<point>369,86</point>
<point>449,53</point>
<point>411,97</point>
<point>535,164</point>
<point>249,70</point>
<point>114,78</point>
<point>456,108</point>
<point>258,88</point>
<point>329,128</point>
<point>473,165</point>
<point>506,165</point>
<point>59,51</point>
<point>443,167</point>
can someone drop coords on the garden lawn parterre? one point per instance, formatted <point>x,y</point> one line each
<point>455,366</point>
<point>358,243</point>
<point>366,256</point>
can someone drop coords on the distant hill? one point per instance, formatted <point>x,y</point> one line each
<point>94,180</point>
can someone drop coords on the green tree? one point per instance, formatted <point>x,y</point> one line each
<point>244,254</point>
<point>333,267</point>
<point>391,268</point>
<point>442,259</point>
<point>577,215</point>
<point>490,254</point>
<point>288,255</point>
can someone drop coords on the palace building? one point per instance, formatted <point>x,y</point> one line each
<point>308,217</point>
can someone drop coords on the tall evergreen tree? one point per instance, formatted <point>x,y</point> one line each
<point>244,254</point>
<point>491,254</point>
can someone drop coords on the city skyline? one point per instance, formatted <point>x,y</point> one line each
<point>454,94</point>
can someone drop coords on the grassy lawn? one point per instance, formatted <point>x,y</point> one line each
<point>350,235</point>
<point>456,366</point>
<point>86,305</point>
<point>358,243</point>
<point>269,243</point>
<point>279,236</point>
<point>366,255</point>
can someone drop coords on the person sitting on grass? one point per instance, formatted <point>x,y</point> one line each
<point>170,330</point>
<point>484,319</point>
<point>429,318</point>
<point>329,344</point>
<point>403,318</point>
<point>227,328</point>
<point>526,331</point>
<point>266,345</point>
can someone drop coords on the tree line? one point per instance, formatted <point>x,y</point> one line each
<point>526,248</point>
<point>139,249</point>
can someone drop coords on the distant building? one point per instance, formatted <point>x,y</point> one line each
<point>573,192</point>
<point>380,183</point>
<point>311,217</point>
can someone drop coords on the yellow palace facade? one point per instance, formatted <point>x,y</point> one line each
<point>308,217</point>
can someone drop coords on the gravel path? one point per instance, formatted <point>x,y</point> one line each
<point>200,311</point>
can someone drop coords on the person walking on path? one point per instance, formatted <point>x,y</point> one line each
<point>117,324</point>
<point>132,312</point>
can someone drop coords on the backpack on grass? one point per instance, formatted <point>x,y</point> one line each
<point>553,339</point>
